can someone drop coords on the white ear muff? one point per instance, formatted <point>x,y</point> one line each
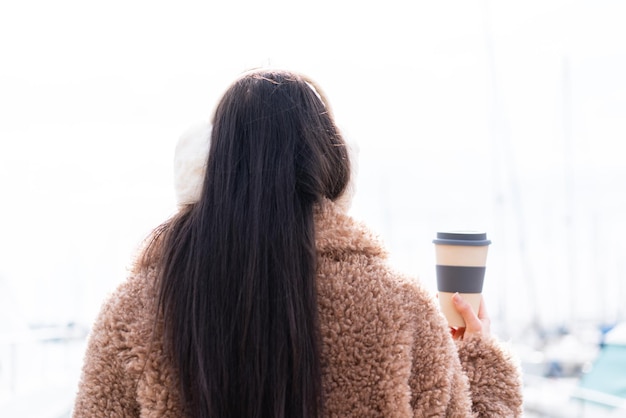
<point>190,158</point>
<point>344,201</point>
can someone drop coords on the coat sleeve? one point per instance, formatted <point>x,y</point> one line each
<point>494,378</point>
<point>106,389</point>
<point>473,378</point>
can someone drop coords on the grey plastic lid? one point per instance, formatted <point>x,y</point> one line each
<point>462,238</point>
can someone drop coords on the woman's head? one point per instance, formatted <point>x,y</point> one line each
<point>275,123</point>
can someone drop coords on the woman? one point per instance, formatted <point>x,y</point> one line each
<point>262,298</point>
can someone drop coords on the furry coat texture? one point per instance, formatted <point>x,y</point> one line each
<point>386,349</point>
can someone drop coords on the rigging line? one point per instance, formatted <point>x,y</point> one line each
<point>501,138</point>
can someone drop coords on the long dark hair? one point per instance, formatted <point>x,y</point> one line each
<point>236,270</point>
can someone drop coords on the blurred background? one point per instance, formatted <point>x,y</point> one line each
<point>498,116</point>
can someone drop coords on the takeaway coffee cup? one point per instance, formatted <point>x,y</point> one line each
<point>461,259</point>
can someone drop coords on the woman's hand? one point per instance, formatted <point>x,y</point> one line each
<point>475,325</point>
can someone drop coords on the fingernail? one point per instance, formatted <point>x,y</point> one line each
<point>456,298</point>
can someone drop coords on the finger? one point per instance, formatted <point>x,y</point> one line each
<point>472,323</point>
<point>482,309</point>
<point>484,316</point>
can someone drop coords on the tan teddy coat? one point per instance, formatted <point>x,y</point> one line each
<point>386,350</point>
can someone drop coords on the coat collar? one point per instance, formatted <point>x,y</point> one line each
<point>337,234</point>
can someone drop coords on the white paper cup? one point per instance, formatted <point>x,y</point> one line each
<point>461,260</point>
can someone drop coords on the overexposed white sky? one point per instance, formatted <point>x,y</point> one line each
<point>468,114</point>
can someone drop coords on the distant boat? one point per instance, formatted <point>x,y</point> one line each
<point>605,383</point>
